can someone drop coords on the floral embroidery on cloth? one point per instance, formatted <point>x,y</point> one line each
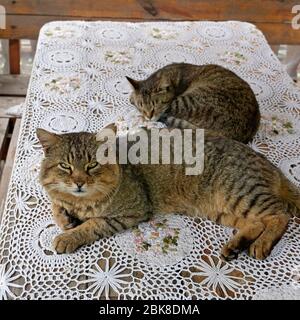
<point>78,84</point>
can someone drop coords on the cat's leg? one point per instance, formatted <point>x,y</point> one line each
<point>276,225</point>
<point>92,230</point>
<point>248,231</point>
<point>62,218</point>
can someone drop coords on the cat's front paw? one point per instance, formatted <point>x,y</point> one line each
<point>230,251</point>
<point>260,249</point>
<point>64,220</point>
<point>66,243</point>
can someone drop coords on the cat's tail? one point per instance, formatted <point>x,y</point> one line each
<point>290,195</point>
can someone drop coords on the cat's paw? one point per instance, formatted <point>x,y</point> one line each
<point>65,221</point>
<point>230,251</point>
<point>66,243</point>
<point>260,249</point>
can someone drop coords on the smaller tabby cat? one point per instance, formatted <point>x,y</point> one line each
<point>238,188</point>
<point>190,96</point>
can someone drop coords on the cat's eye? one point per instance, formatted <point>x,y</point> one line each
<point>164,89</point>
<point>131,100</point>
<point>65,166</point>
<point>91,165</point>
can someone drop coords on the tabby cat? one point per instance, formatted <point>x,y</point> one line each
<point>238,188</point>
<point>190,96</point>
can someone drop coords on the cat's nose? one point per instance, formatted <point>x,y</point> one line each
<point>151,114</point>
<point>79,185</point>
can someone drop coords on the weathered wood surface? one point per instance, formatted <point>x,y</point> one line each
<point>3,132</point>
<point>273,17</point>
<point>14,56</point>
<point>13,85</point>
<point>6,103</point>
<point>7,170</point>
<point>254,10</point>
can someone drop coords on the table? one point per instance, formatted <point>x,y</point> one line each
<point>78,83</point>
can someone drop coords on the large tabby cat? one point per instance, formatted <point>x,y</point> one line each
<point>190,96</point>
<point>238,188</point>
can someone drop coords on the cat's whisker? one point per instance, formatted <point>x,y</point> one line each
<point>105,193</point>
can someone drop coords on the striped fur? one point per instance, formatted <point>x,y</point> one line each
<point>238,188</point>
<point>190,96</point>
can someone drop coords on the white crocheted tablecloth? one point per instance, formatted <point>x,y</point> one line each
<point>78,83</point>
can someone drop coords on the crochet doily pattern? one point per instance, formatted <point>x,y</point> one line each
<point>78,83</point>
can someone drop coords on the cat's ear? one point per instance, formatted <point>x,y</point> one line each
<point>109,130</point>
<point>134,83</point>
<point>47,139</point>
<point>165,85</point>
<point>111,126</point>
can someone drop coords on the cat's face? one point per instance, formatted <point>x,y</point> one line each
<point>70,168</point>
<point>151,97</point>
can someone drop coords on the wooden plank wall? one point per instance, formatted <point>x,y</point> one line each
<point>273,17</point>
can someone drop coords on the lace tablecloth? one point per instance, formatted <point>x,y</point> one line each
<point>78,83</point>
